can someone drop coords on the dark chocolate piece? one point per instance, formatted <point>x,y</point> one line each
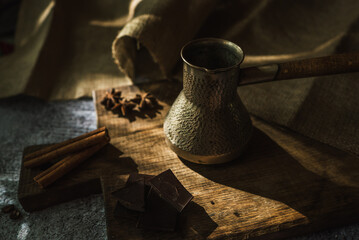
<point>169,188</point>
<point>159,214</point>
<point>123,213</point>
<point>8,208</point>
<point>137,176</point>
<point>132,196</point>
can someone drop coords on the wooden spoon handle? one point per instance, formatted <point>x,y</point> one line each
<point>335,64</point>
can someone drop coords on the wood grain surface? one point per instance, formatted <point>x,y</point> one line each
<point>328,65</point>
<point>283,185</point>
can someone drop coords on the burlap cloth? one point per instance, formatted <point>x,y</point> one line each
<point>63,50</point>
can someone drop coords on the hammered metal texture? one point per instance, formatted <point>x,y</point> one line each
<point>208,118</point>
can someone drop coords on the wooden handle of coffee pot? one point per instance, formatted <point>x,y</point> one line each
<point>335,64</point>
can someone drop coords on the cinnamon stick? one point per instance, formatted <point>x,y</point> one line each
<point>69,146</point>
<point>62,167</point>
<point>52,168</point>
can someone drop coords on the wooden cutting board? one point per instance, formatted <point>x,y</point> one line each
<point>283,185</point>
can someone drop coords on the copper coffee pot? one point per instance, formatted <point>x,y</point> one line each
<point>208,122</point>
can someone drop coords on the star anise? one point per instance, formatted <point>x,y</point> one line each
<point>146,100</point>
<point>111,98</point>
<point>125,106</point>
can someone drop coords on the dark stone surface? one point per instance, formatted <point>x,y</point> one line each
<point>28,121</point>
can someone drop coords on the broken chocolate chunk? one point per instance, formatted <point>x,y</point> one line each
<point>159,214</point>
<point>137,176</point>
<point>132,196</point>
<point>124,213</point>
<point>169,188</point>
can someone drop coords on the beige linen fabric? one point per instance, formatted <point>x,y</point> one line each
<point>31,31</point>
<point>67,53</point>
<point>63,49</point>
<point>149,45</point>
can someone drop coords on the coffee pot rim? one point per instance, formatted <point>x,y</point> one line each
<point>213,40</point>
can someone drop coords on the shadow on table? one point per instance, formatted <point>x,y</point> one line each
<point>195,222</point>
<point>312,188</point>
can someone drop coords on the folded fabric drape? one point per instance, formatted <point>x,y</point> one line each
<point>149,45</point>
<point>65,52</point>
